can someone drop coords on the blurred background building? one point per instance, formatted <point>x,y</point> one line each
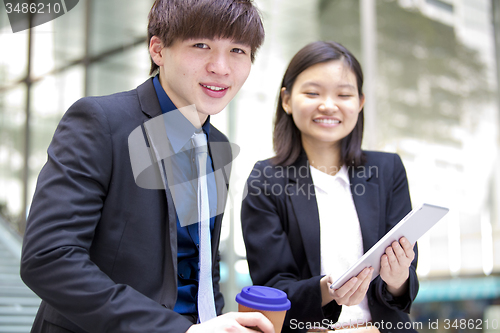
<point>431,70</point>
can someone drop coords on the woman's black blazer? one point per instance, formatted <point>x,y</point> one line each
<point>281,229</point>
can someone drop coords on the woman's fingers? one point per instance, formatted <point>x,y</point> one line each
<point>395,263</point>
<point>354,290</point>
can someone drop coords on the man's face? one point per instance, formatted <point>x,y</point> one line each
<point>205,72</point>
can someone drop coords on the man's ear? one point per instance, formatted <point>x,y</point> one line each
<point>285,100</point>
<point>155,48</point>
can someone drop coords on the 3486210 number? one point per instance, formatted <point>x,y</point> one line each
<point>33,8</point>
<point>471,324</point>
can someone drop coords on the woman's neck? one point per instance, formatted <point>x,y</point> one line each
<point>323,156</point>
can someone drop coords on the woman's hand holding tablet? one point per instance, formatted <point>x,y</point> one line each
<point>394,266</point>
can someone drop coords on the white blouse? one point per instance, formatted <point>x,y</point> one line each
<point>340,234</point>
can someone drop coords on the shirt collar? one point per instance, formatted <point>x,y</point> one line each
<point>325,181</point>
<point>177,124</point>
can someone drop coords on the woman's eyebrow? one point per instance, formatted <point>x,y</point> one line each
<point>318,85</point>
<point>311,83</point>
<point>347,85</point>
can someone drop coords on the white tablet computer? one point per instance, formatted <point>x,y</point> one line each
<point>412,226</point>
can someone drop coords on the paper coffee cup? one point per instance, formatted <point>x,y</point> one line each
<point>272,303</point>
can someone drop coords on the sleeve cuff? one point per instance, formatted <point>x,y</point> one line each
<point>401,303</point>
<point>332,311</point>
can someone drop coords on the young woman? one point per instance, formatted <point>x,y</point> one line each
<point>321,202</point>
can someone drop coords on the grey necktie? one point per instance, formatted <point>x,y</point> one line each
<point>206,305</point>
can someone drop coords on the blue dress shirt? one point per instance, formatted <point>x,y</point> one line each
<point>187,236</point>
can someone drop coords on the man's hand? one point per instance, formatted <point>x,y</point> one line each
<point>394,266</point>
<point>353,291</point>
<point>234,322</point>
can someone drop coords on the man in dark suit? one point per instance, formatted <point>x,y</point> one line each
<point>105,254</point>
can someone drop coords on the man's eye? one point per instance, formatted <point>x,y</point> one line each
<point>237,50</point>
<point>201,46</point>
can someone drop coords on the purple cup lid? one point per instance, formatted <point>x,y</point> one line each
<point>263,298</point>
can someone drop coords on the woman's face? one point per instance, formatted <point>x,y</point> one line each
<point>324,103</point>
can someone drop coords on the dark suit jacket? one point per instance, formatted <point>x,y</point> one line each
<point>99,250</point>
<point>281,230</point>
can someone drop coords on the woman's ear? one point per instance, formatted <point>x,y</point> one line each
<point>361,102</point>
<point>155,48</point>
<point>285,100</point>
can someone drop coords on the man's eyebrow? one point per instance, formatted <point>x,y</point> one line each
<point>242,43</point>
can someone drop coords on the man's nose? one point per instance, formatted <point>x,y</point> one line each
<point>219,64</point>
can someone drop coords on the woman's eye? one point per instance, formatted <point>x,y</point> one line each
<point>311,94</point>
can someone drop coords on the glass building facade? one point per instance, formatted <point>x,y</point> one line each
<point>431,74</point>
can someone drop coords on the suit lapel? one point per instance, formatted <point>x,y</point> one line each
<point>305,207</point>
<point>150,106</point>
<point>366,199</point>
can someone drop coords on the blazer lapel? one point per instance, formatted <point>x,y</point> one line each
<point>366,199</point>
<point>151,108</point>
<point>303,198</point>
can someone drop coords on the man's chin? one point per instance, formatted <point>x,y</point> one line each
<point>212,110</point>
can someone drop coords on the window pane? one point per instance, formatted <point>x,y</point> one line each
<point>108,27</point>
<point>12,120</point>
<point>59,42</point>
<point>13,63</point>
<point>123,71</point>
<point>69,35</point>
